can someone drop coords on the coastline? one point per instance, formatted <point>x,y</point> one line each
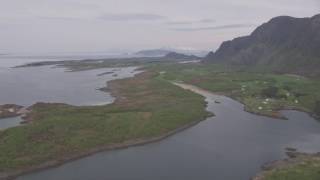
<point>294,159</point>
<point>112,89</point>
<point>276,115</point>
<point>10,110</point>
<point>124,145</point>
<point>276,112</point>
<point>127,144</point>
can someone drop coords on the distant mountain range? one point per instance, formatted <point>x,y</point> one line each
<point>153,52</point>
<point>179,56</point>
<point>284,44</point>
<point>164,51</point>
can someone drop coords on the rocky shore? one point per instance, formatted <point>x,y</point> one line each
<point>294,163</point>
<point>10,110</point>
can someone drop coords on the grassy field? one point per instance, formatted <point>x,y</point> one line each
<point>147,106</point>
<point>304,167</point>
<point>262,93</point>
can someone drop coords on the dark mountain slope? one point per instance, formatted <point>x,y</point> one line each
<point>174,55</point>
<point>283,44</point>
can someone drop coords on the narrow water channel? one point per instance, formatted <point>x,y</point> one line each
<point>230,146</point>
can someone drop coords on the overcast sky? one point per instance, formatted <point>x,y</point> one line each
<point>103,25</point>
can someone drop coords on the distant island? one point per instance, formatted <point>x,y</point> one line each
<point>164,51</point>
<point>153,52</point>
<point>115,62</point>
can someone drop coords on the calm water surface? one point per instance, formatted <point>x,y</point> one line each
<point>9,122</point>
<point>231,146</point>
<point>26,86</point>
<point>12,60</point>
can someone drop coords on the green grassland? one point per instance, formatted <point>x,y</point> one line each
<point>147,106</point>
<point>250,87</point>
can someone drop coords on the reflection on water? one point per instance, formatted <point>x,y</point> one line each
<point>231,146</point>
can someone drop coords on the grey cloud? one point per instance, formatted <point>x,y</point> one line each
<point>85,24</point>
<point>230,26</point>
<point>206,20</point>
<point>59,18</point>
<point>179,22</point>
<point>112,17</point>
<point>132,17</point>
<point>190,22</point>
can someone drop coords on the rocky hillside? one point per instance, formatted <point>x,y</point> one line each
<point>284,44</point>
